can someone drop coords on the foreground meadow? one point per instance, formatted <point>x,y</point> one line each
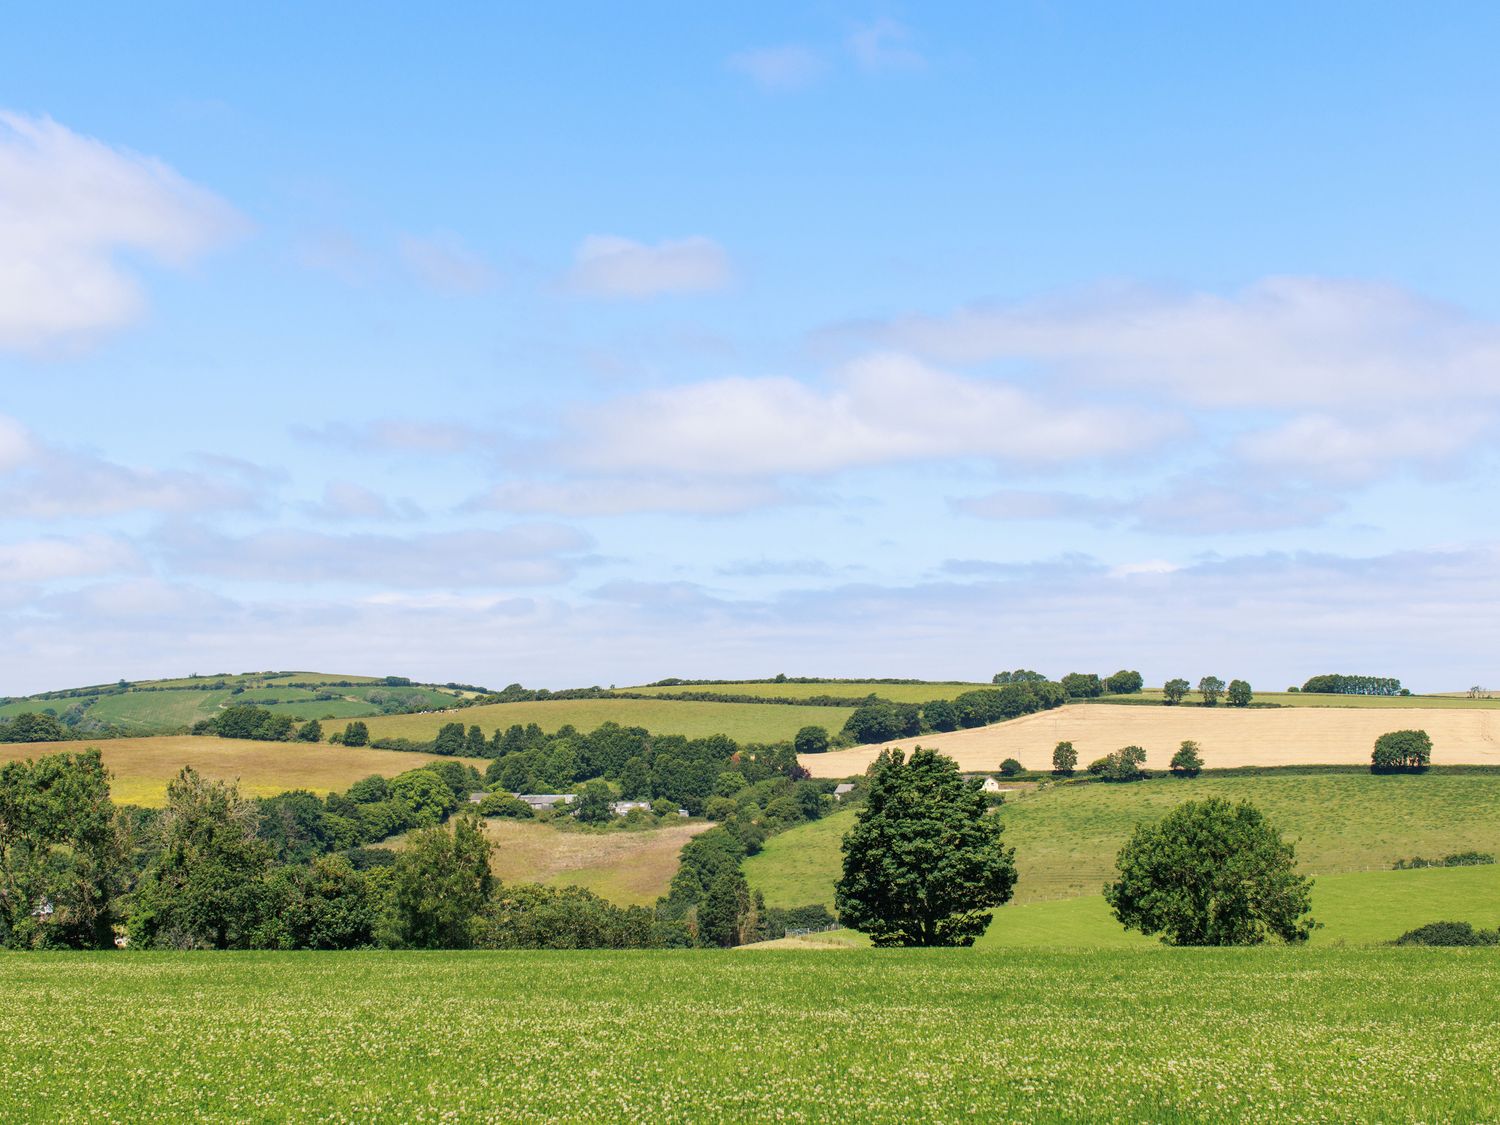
<point>1265,1035</point>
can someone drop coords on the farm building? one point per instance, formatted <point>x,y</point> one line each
<point>842,790</point>
<point>541,801</point>
<point>620,808</point>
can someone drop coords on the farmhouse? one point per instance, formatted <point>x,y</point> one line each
<point>620,808</point>
<point>539,801</point>
<point>842,790</point>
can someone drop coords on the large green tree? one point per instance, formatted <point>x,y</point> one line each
<point>1211,873</point>
<point>924,862</point>
<point>206,886</point>
<point>440,883</point>
<point>62,858</point>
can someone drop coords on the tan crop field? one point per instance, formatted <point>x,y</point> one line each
<point>141,767</point>
<point>1228,736</point>
<point>630,868</point>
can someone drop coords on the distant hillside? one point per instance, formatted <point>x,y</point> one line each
<point>152,707</point>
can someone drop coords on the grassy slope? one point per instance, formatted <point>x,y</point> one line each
<point>901,693</point>
<point>1066,837</point>
<point>744,722</point>
<point>702,1036</point>
<point>141,767</point>
<point>1299,699</point>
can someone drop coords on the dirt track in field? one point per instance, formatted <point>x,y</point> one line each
<point>1228,736</point>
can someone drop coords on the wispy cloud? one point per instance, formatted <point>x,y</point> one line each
<point>609,266</point>
<point>790,66</point>
<point>885,44</point>
<point>442,262</point>
<point>71,209</point>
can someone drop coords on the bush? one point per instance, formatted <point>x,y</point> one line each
<point>1401,751</point>
<point>1124,683</point>
<point>811,740</point>
<point>356,734</point>
<point>1457,859</point>
<point>1082,685</point>
<point>1449,934</point>
<point>1187,762</point>
<point>1123,765</point>
<point>1010,767</point>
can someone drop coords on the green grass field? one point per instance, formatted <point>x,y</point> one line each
<point>1014,1035</point>
<point>1066,837</point>
<point>743,722</point>
<point>900,693</point>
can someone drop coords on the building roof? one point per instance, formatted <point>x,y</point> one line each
<point>843,787</point>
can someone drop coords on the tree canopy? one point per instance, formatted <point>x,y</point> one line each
<point>1401,751</point>
<point>924,863</point>
<point>1211,873</point>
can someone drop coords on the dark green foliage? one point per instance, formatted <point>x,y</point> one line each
<point>1187,762</point>
<point>1064,759</point>
<point>1355,685</point>
<point>62,857</point>
<point>328,904</point>
<point>31,726</point>
<point>294,825</point>
<point>356,734</point>
<point>1019,676</point>
<point>880,720</point>
<point>1210,687</point>
<point>924,861</point>
<point>1450,934</point>
<point>1082,685</point>
<point>593,803</point>
<point>310,731</point>
<point>1239,694</point>
<point>450,740</point>
<point>724,912</point>
<point>1124,683</point>
<point>528,916</point>
<point>1175,691</point>
<point>440,882</point>
<point>1122,765</point>
<point>940,715</point>
<point>206,886</point>
<point>811,740</point>
<point>1010,767</point>
<point>245,720</point>
<point>702,860</point>
<point>1211,873</point>
<point>1456,859</point>
<point>1401,751</point>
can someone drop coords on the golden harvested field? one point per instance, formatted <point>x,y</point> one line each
<point>141,767</point>
<point>1228,736</point>
<point>629,868</point>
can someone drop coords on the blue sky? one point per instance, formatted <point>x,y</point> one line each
<point>603,343</point>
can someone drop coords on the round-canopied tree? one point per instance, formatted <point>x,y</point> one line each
<point>811,740</point>
<point>1211,873</point>
<point>1239,694</point>
<point>1187,762</point>
<point>1175,690</point>
<point>1064,759</point>
<point>924,863</point>
<point>1401,751</point>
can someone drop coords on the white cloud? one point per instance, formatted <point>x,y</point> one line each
<point>16,444</point>
<point>41,560</point>
<point>344,500</point>
<point>626,496</point>
<point>787,67</point>
<point>444,263</point>
<point>609,266</point>
<point>69,206</point>
<point>882,409</point>
<point>1357,449</point>
<point>1283,342</point>
<point>392,435</point>
<point>884,44</point>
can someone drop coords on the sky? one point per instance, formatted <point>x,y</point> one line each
<point>597,343</point>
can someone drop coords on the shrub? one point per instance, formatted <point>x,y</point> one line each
<point>1010,767</point>
<point>1124,683</point>
<point>811,740</point>
<point>1449,933</point>
<point>356,734</point>
<point>1401,751</point>
<point>1123,765</point>
<point>1456,859</point>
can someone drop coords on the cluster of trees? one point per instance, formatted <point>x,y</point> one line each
<point>1454,859</point>
<point>882,720</point>
<point>1355,685</point>
<point>47,726</point>
<point>1125,764</point>
<point>1401,751</point>
<point>1211,688</point>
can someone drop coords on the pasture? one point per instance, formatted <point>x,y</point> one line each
<point>1229,736</point>
<point>1178,1035</point>
<point>1067,836</point>
<point>142,767</point>
<point>843,689</point>
<point>743,722</point>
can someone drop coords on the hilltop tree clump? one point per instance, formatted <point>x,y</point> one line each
<point>1124,683</point>
<point>1211,873</point>
<point>1210,687</point>
<point>1175,691</point>
<point>924,862</point>
<point>1401,751</point>
<point>1239,694</point>
<point>1082,685</point>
